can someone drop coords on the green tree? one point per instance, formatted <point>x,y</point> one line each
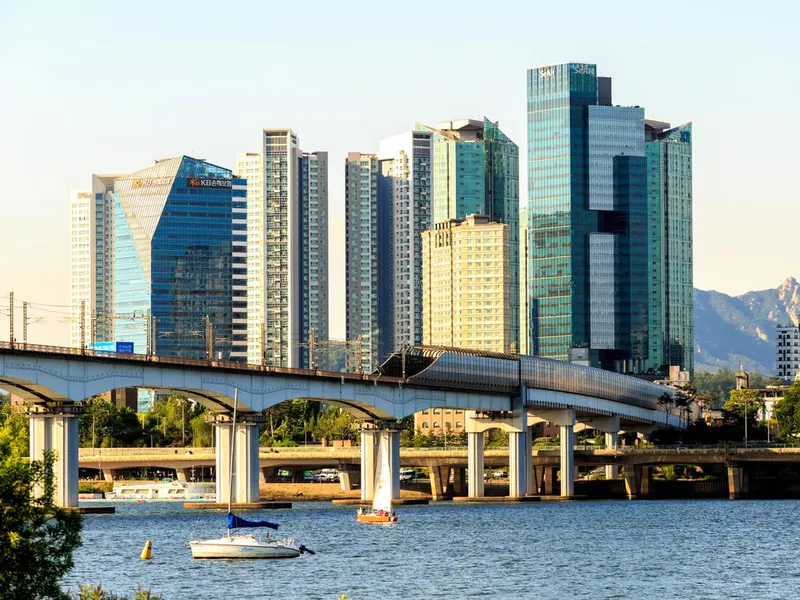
<point>335,423</point>
<point>103,425</point>
<point>37,539</point>
<point>87,592</point>
<point>745,403</point>
<point>14,429</point>
<point>787,413</point>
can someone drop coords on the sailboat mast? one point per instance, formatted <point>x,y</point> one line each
<point>233,450</point>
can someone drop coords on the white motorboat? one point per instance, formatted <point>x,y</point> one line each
<point>245,546</point>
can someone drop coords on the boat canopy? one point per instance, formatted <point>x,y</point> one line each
<point>235,522</point>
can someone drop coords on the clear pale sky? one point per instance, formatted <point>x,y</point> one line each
<point>102,87</point>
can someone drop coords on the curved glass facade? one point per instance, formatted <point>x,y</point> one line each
<point>173,258</point>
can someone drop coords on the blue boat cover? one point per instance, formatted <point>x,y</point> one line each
<point>235,522</point>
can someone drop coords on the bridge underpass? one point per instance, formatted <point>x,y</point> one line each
<point>505,391</point>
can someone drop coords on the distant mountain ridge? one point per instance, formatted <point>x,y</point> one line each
<point>740,330</point>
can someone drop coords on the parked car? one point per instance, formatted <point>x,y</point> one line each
<point>500,474</point>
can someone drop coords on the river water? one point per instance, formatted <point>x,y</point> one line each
<point>639,550</point>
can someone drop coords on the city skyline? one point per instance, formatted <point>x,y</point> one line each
<point>94,128</point>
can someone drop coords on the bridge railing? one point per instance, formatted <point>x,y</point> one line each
<point>191,362</point>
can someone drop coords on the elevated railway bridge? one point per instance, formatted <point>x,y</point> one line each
<point>509,392</point>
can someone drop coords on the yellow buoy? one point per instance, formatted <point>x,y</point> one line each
<point>146,553</point>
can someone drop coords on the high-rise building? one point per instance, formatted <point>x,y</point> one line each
<point>670,293</point>
<point>476,171</point>
<point>466,285</point>
<point>587,266</point>
<point>91,261</point>
<point>313,174</point>
<point>173,260</point>
<point>524,337</point>
<point>363,257</point>
<point>404,198</point>
<point>273,251</point>
<point>287,249</point>
<point>787,351</point>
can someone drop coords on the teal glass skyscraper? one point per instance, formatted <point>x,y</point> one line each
<point>669,198</point>
<point>587,271</point>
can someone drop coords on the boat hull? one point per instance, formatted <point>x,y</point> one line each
<point>376,518</point>
<point>223,548</point>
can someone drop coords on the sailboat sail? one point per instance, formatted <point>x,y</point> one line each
<point>235,522</point>
<point>382,499</point>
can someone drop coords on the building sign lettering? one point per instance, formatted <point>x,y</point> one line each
<point>205,182</point>
<point>547,72</point>
<point>583,69</point>
<point>151,182</point>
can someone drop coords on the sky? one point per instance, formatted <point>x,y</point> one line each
<point>107,87</point>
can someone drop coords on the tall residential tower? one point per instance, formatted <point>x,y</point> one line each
<point>476,172</point>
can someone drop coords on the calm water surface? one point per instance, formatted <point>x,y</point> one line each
<point>637,550</point>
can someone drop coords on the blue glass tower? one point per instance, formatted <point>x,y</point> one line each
<point>173,259</point>
<point>587,245</point>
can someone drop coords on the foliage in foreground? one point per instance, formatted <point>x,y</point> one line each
<point>87,592</point>
<point>37,539</point>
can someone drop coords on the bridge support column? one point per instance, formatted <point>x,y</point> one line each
<point>440,477</point>
<point>738,482</point>
<point>637,481</point>
<point>459,481</point>
<point>475,464</point>
<point>245,467</point>
<point>519,461</point>
<point>348,475</point>
<point>565,419</point>
<point>57,432</point>
<point>610,426</point>
<point>375,439</point>
<point>612,471</point>
<point>369,453</point>
<point>549,481</point>
<point>267,473</point>
<point>110,474</point>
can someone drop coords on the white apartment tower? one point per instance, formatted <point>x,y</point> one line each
<point>91,262</point>
<point>787,351</point>
<point>405,199</point>
<point>287,249</point>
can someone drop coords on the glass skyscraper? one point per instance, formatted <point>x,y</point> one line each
<point>587,275</point>
<point>476,172</point>
<point>669,198</point>
<point>173,266</point>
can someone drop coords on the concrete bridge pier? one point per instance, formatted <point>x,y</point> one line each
<point>637,481</point>
<point>565,419</point>
<point>348,475</point>
<point>244,488</point>
<point>57,430</point>
<point>609,426</point>
<point>110,474</point>
<point>267,473</point>
<point>440,478</point>
<point>738,482</point>
<point>475,464</point>
<point>459,481</point>
<point>383,436</point>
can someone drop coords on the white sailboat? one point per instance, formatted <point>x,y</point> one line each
<point>381,511</point>
<point>245,546</point>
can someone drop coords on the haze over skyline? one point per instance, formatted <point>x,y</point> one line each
<point>108,88</point>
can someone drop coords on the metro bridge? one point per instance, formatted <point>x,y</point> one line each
<point>509,392</point>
